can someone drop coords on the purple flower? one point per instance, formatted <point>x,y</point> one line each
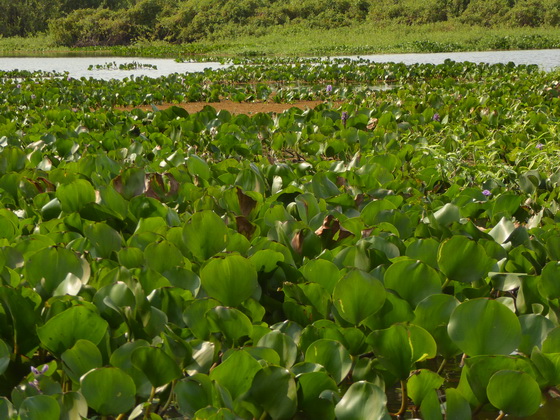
<point>436,117</point>
<point>18,86</point>
<point>69,78</point>
<point>486,192</point>
<point>35,384</point>
<point>33,96</point>
<point>38,372</point>
<point>539,146</point>
<point>329,88</point>
<point>344,117</point>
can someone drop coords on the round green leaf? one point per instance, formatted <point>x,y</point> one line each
<point>49,267</point>
<point>283,344</point>
<point>412,280</point>
<point>75,195</point>
<point>63,330</point>
<point>231,322</point>
<point>156,364</point>
<point>236,373</point>
<point>464,260</point>
<point>458,408</point>
<point>162,256</point>
<point>80,359</point>
<point>534,330</point>
<point>39,407</point>
<point>514,392</point>
<point>205,234</point>
<point>109,391</point>
<point>549,286</point>
<point>274,389</point>
<point>74,406</point>
<point>357,296</point>
<point>421,383</point>
<point>104,238</point>
<point>230,280</point>
<point>363,401</point>
<point>484,326</point>
<point>323,272</point>
<point>400,346</point>
<point>310,387</point>
<point>332,355</point>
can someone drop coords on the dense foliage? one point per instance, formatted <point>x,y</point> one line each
<point>118,22</point>
<point>163,264</point>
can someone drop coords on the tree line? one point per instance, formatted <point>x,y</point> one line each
<point>120,22</point>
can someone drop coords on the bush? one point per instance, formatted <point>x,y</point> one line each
<point>91,27</point>
<point>526,13</point>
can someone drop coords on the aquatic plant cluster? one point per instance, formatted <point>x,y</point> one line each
<point>392,250</point>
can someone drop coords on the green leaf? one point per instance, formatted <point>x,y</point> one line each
<point>363,401</point>
<point>274,389</point>
<point>322,272</point>
<point>198,167</point>
<point>433,314</point>
<point>481,368</point>
<point>515,393</point>
<point>156,364</point>
<point>230,280</point>
<point>400,346</point>
<point>357,296</point>
<point>205,234</point>
<point>104,239</point>
<point>39,407</point>
<point>162,256</point>
<point>49,267</point>
<point>283,344</point>
<point>447,215</point>
<point>483,326</point>
<point>193,394</point>
<point>75,195</point>
<point>464,260</point>
<point>122,358</point>
<point>421,383</point>
<point>424,250</point>
<point>430,406</point>
<point>332,355</point>
<point>458,407</point>
<point>231,322</point>
<point>74,406</point>
<point>534,330</point>
<point>310,387</point>
<point>80,359</point>
<point>236,373</point>
<point>109,391</point>
<point>412,280</point>
<point>62,331</point>
<point>6,408</point>
<point>4,357</point>
<point>549,286</point>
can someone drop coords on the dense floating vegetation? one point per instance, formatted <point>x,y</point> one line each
<point>160,264</point>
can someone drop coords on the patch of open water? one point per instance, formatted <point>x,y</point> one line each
<point>77,67</point>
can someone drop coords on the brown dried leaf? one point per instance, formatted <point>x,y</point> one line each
<point>246,203</point>
<point>297,242</point>
<point>244,226</point>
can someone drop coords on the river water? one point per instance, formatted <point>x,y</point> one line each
<point>77,67</point>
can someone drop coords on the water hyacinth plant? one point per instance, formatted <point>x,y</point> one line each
<point>350,260</point>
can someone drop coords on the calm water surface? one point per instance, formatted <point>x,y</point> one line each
<point>77,67</point>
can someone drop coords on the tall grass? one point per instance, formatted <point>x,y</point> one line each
<point>365,38</point>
